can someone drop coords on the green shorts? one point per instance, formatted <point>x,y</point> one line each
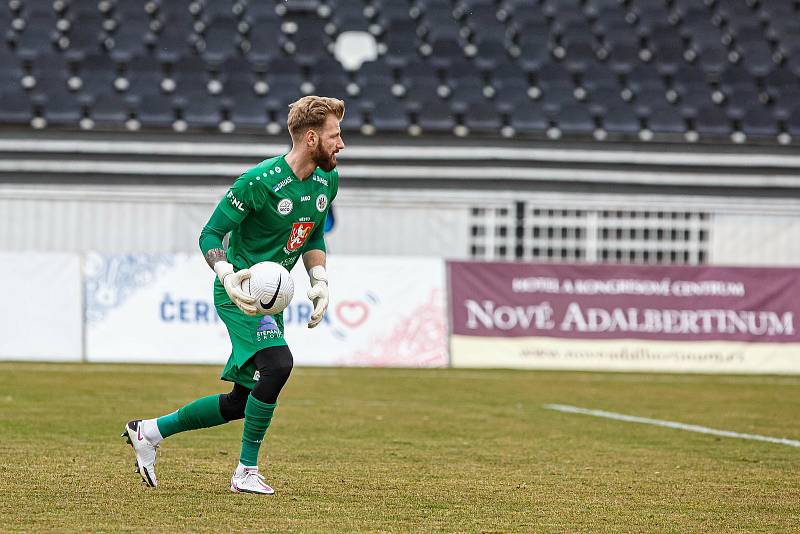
<point>248,336</point>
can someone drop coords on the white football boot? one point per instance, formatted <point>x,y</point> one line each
<point>145,452</point>
<point>249,480</point>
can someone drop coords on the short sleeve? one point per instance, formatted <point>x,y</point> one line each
<point>245,195</point>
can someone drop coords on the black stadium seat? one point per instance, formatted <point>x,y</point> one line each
<point>110,110</point>
<point>155,110</point>
<point>15,106</point>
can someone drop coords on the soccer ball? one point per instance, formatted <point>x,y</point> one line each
<point>271,285</point>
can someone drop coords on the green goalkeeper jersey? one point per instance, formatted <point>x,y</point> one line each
<point>277,215</point>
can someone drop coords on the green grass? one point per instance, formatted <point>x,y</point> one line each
<point>383,450</point>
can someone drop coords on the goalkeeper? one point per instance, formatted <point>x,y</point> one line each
<point>274,212</point>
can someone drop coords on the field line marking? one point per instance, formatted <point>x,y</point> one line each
<point>566,408</point>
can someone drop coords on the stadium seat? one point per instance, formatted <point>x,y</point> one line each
<point>331,87</point>
<point>143,74</point>
<point>173,42</point>
<point>527,117</point>
<point>199,109</point>
<point>220,40</point>
<point>643,76</point>
<point>619,118</point>
<point>534,52</point>
<point>487,52</point>
<point>603,98</point>
<point>664,119</point>
<point>36,41</point>
<point>401,43</point>
<point>188,73</point>
<point>284,88</point>
<point>623,57</point>
<point>129,40</point>
<point>740,99</point>
<point>263,41</point>
<point>573,118</point>
<point>248,110</point>
<point>711,121</point>
<point>60,107</point>
<point>434,116</point>
<point>155,110</point>
<point>97,73</point>
<point>597,75</point>
<point>15,106</point>
<point>756,123</point>
<point>389,115</point>
<point>109,110</point>
<point>482,119</point>
<point>238,76</point>
<point>649,97</point>
<point>86,34</point>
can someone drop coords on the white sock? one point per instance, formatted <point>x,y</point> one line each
<point>241,467</point>
<point>151,431</point>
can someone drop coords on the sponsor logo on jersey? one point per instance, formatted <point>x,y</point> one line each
<point>322,202</point>
<point>285,206</point>
<point>305,198</point>
<point>235,202</point>
<point>320,179</point>
<point>267,323</point>
<point>267,328</point>
<point>283,183</point>
<point>300,232</point>
<point>277,169</point>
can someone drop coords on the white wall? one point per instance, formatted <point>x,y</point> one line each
<point>743,239</point>
<point>395,222</point>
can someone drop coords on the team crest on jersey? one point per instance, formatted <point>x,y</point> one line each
<point>300,232</point>
<point>285,206</point>
<point>322,202</point>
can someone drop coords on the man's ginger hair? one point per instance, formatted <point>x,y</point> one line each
<point>310,112</point>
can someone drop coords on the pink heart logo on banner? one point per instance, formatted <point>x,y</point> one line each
<point>352,313</point>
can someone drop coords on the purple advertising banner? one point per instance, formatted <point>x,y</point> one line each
<point>605,302</point>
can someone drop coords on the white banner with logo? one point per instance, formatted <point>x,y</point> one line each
<point>383,312</point>
<point>159,308</point>
<point>41,315</point>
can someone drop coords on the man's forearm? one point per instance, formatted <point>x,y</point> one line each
<point>312,258</point>
<point>214,255</point>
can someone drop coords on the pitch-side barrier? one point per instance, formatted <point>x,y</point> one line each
<point>414,312</point>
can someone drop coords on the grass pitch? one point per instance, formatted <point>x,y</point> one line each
<point>383,450</point>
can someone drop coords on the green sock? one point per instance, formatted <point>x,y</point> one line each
<point>257,416</point>
<point>200,413</point>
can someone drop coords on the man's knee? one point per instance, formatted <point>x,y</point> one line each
<point>274,367</point>
<point>231,405</point>
<point>281,367</point>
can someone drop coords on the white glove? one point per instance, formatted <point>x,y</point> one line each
<point>318,294</point>
<point>232,282</point>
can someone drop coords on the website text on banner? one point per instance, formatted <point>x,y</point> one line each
<point>615,317</point>
<point>159,308</point>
